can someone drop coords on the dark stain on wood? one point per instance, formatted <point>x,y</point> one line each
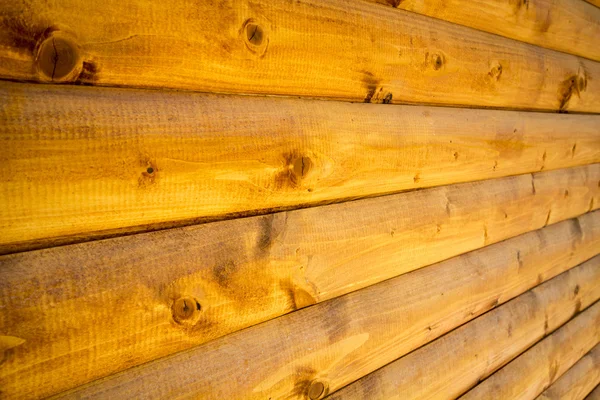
<point>573,85</point>
<point>339,319</point>
<point>222,272</point>
<point>24,35</point>
<point>577,307</point>
<point>370,84</point>
<point>88,74</point>
<point>394,3</point>
<point>305,376</point>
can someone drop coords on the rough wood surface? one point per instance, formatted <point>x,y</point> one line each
<point>449,366</point>
<point>79,162</point>
<point>571,26</point>
<point>578,381</point>
<point>340,49</point>
<point>245,271</point>
<point>313,352</point>
<point>530,373</point>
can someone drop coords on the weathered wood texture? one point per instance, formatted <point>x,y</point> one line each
<point>84,161</point>
<point>571,26</point>
<point>246,271</point>
<point>315,351</point>
<point>578,381</point>
<point>530,373</point>
<point>340,49</point>
<point>451,365</point>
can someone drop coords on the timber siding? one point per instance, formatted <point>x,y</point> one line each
<point>300,199</point>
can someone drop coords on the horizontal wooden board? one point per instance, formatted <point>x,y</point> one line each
<point>451,365</point>
<point>82,162</point>
<point>313,352</point>
<point>338,49</point>
<point>530,373</point>
<point>578,381</point>
<point>571,26</point>
<point>245,271</point>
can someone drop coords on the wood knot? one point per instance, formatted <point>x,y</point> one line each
<point>254,34</point>
<point>438,61</point>
<point>255,37</point>
<point>573,85</point>
<point>495,72</point>
<point>186,310</point>
<point>316,390</point>
<point>58,58</point>
<point>299,168</point>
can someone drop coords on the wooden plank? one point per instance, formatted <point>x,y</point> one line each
<point>339,49</point>
<point>94,280</point>
<point>217,156</point>
<point>595,395</point>
<point>316,351</point>
<point>246,271</point>
<point>570,26</point>
<point>530,373</point>
<point>451,365</point>
<point>594,2</point>
<point>578,381</point>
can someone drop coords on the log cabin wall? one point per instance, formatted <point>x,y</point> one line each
<point>300,199</point>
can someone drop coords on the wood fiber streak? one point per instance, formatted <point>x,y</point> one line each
<point>246,271</point>
<point>337,342</point>
<point>540,366</point>
<point>79,163</point>
<point>570,26</point>
<point>337,49</point>
<point>451,365</point>
<point>578,381</point>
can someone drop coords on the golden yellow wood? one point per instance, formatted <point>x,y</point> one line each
<point>540,366</point>
<point>316,351</point>
<point>578,381</point>
<point>571,26</point>
<point>79,163</point>
<point>339,49</point>
<point>161,295</point>
<point>446,368</point>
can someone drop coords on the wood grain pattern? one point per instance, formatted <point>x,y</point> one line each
<point>571,26</point>
<point>578,381</point>
<point>530,373</point>
<point>313,352</point>
<point>451,365</point>
<point>80,163</point>
<point>339,49</point>
<point>245,271</point>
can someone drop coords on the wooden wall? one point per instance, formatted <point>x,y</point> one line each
<point>300,199</point>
